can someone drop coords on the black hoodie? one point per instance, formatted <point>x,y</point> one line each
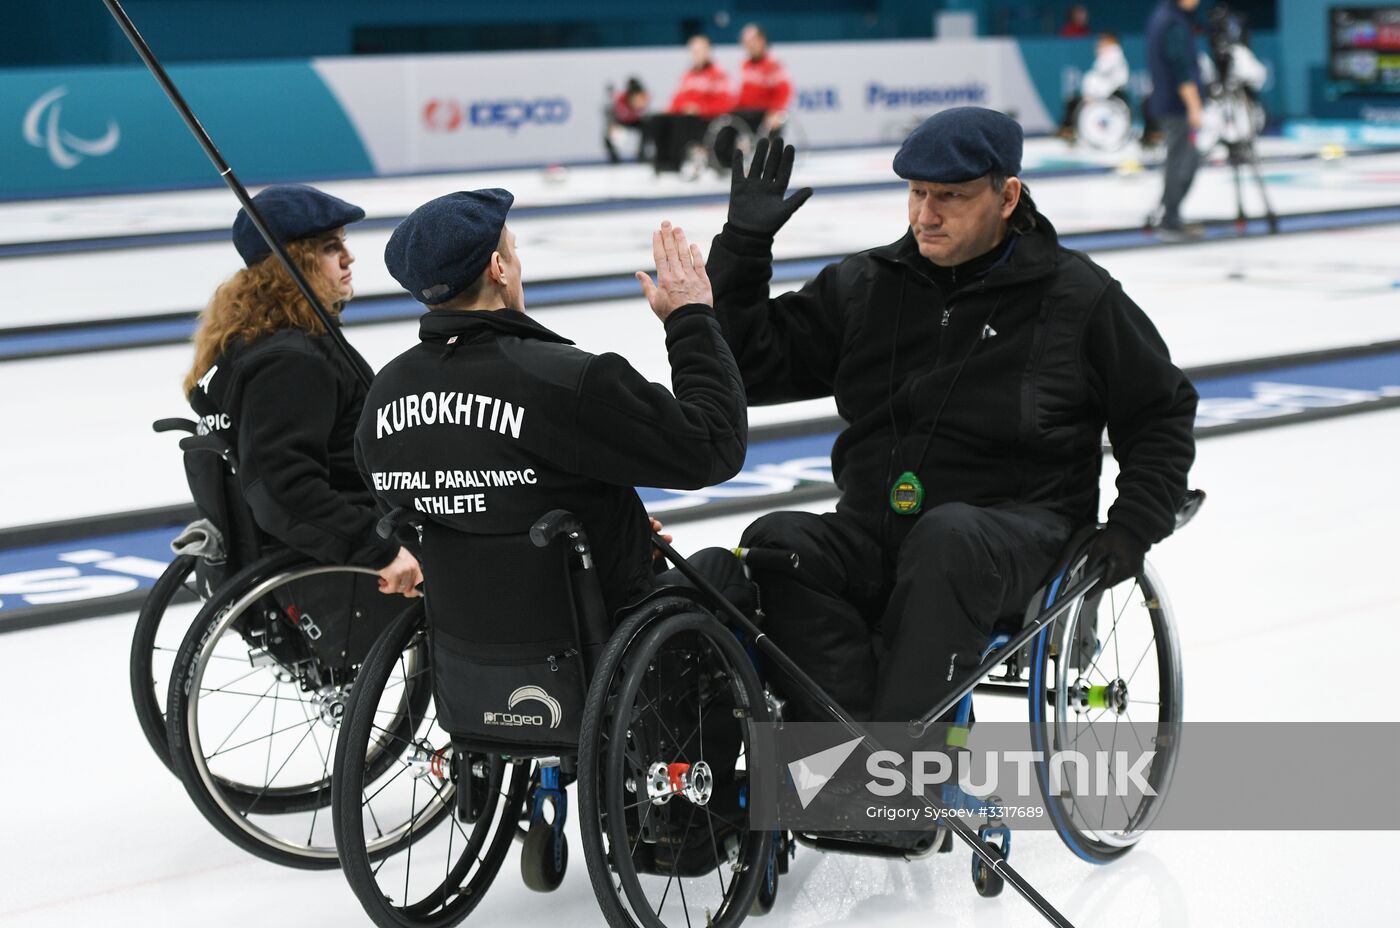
<point>998,393</point>
<point>492,420</point>
<point>288,403</point>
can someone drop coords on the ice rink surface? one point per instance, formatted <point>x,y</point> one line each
<point>1213,303</point>
<point>180,277</point>
<point>1284,578</point>
<point>1284,573</point>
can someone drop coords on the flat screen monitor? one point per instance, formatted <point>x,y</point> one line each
<point>1365,47</point>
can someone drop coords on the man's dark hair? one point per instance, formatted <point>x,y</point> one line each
<point>1022,219</point>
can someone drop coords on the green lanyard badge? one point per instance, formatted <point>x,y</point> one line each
<point>907,494</point>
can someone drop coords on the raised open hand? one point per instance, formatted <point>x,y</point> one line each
<point>756,201</point>
<point>680,273</point>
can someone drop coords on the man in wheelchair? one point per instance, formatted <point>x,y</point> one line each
<point>1106,80</point>
<point>493,419</point>
<point>976,363</point>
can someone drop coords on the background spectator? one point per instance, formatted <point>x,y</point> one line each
<point>1076,22</point>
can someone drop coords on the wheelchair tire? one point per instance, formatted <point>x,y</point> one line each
<point>718,155</point>
<point>150,677</point>
<point>1085,679</point>
<point>285,822</point>
<point>1105,125</point>
<point>383,878</point>
<point>539,868</point>
<point>985,880</point>
<point>767,894</point>
<point>620,744</point>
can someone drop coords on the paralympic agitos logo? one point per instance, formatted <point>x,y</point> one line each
<point>441,115</point>
<point>42,130</point>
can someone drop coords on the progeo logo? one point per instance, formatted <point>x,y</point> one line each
<point>66,150</point>
<point>519,719</point>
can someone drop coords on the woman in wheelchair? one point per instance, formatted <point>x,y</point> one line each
<point>289,563</point>
<point>268,381</point>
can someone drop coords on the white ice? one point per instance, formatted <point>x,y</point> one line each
<point>85,420</point>
<point>179,278</point>
<point>1286,609</point>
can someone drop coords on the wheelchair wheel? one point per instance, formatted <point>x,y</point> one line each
<point>724,135</point>
<point>1107,677</point>
<point>154,642</point>
<point>767,894</point>
<point>254,709</point>
<point>419,844</point>
<point>1106,125</point>
<point>671,723</point>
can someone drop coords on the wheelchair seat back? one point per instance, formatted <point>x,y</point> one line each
<point>509,640</point>
<point>218,497</point>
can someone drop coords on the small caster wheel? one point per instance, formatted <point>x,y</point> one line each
<point>988,882</point>
<point>543,858</point>
<point>768,888</point>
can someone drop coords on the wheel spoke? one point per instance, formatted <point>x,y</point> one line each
<point>263,792</point>
<point>272,734</point>
<point>251,709</point>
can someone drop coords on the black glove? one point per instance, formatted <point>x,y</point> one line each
<point>756,202</point>
<point>1120,553</point>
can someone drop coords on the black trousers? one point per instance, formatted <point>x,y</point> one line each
<point>1180,170</point>
<point>887,633</point>
<point>670,136</point>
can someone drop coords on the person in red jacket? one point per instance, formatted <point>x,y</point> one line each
<point>764,85</point>
<point>705,89</point>
<point>676,136</point>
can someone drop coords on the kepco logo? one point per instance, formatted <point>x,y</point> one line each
<point>41,129</point>
<point>509,114</point>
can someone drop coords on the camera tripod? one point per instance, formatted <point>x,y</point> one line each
<point>1237,134</point>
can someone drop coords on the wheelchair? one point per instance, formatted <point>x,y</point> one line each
<point>220,546</point>
<point>513,644</point>
<point>740,131</point>
<point>1104,124</point>
<point>1088,661</point>
<point>243,703</point>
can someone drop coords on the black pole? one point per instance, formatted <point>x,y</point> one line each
<point>1063,602</point>
<point>202,137</point>
<point>990,855</point>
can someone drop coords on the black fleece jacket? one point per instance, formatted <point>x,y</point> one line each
<point>492,420</point>
<point>288,403</point>
<point>997,393</point>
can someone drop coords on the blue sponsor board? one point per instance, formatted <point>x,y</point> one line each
<point>125,563</point>
<point>82,570</point>
<point>771,469</point>
<point>1344,383</point>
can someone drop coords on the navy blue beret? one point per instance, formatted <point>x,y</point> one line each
<point>291,211</point>
<point>445,244</point>
<point>961,144</point>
